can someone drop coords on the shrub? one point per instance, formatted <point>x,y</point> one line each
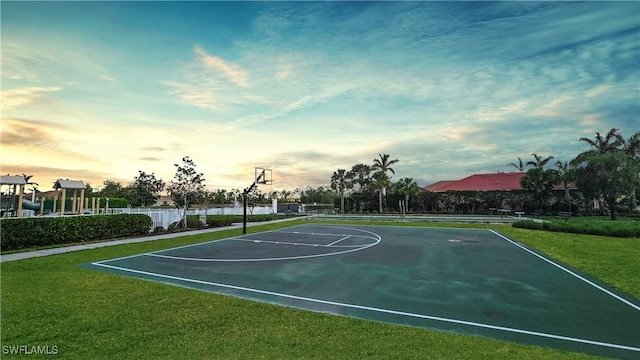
<point>219,221</point>
<point>158,230</point>
<point>593,227</point>
<point>46,231</point>
<point>528,224</point>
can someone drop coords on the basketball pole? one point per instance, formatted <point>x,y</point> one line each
<point>244,201</point>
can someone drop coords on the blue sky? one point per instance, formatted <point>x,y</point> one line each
<point>99,90</point>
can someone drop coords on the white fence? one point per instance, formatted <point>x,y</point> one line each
<point>166,217</point>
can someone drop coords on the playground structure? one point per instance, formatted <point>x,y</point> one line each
<point>8,203</point>
<point>61,187</point>
<point>13,201</point>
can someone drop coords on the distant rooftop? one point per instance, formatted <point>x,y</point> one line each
<point>484,182</point>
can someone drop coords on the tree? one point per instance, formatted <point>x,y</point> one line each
<point>610,170</point>
<point>632,147</point>
<point>566,175</point>
<point>360,174</point>
<point>539,179</point>
<point>284,196</point>
<point>539,161</point>
<point>113,189</point>
<point>186,185</point>
<point>609,143</point>
<point>383,165</point>
<point>607,175</point>
<point>408,188</point>
<point>520,165</point>
<point>145,189</point>
<point>219,196</point>
<point>340,183</point>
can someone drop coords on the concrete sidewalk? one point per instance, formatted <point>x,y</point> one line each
<point>66,249</point>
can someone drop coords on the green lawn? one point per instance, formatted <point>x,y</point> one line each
<point>51,301</point>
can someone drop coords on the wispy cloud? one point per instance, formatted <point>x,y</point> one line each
<point>25,95</point>
<point>22,63</point>
<point>231,72</point>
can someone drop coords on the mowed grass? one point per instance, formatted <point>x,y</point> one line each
<point>52,301</point>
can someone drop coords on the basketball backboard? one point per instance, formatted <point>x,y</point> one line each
<point>263,176</point>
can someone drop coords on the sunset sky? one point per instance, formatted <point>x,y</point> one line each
<point>99,90</point>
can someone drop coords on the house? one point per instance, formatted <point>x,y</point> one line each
<point>485,182</point>
<point>164,200</point>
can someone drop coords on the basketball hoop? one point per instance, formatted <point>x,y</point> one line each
<point>263,176</point>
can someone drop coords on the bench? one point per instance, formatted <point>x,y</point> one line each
<point>564,215</point>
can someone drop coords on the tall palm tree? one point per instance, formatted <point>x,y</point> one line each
<point>360,174</point>
<point>520,165</point>
<point>566,174</point>
<point>539,162</point>
<point>340,183</point>
<point>383,164</point>
<point>539,179</point>
<point>408,188</point>
<point>612,141</point>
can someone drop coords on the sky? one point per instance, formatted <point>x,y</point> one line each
<point>101,90</point>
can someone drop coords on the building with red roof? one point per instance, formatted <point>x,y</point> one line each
<point>484,182</point>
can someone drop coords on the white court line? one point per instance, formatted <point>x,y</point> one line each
<point>366,246</point>
<point>302,244</point>
<point>568,271</point>
<point>337,241</point>
<point>264,259</point>
<point>385,311</point>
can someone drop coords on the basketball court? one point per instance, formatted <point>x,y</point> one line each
<point>475,282</point>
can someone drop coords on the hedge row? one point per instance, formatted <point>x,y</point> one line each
<point>610,228</point>
<point>46,231</point>
<point>193,221</point>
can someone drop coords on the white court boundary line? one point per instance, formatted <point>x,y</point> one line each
<point>300,244</point>
<point>374,309</point>
<point>375,237</point>
<point>568,271</point>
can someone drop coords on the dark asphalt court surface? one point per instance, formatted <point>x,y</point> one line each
<point>475,282</point>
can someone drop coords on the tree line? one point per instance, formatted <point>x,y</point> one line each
<point>608,173</point>
<point>366,181</point>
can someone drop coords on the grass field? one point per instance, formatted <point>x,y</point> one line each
<point>51,301</point>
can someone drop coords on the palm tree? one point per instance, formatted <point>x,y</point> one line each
<point>539,179</point>
<point>566,174</point>
<point>612,148</point>
<point>360,174</point>
<point>609,143</point>
<point>520,165</point>
<point>340,183</point>
<point>408,188</point>
<point>33,184</point>
<point>632,147</point>
<point>539,162</point>
<point>383,164</point>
